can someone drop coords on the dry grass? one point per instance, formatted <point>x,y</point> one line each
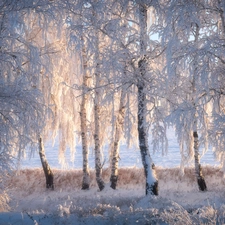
<point>30,180</point>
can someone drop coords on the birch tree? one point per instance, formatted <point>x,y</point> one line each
<point>118,134</point>
<point>24,103</point>
<point>151,181</point>
<point>32,33</point>
<point>186,70</point>
<point>198,170</point>
<point>116,64</point>
<point>214,63</point>
<point>54,81</point>
<point>97,107</point>
<point>83,118</point>
<point>22,111</point>
<point>87,32</point>
<point>140,57</point>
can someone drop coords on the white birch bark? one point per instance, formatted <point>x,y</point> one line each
<point>151,181</point>
<point>118,133</point>
<point>47,170</point>
<point>83,119</point>
<point>98,164</point>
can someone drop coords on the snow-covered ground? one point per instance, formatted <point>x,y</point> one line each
<point>179,201</point>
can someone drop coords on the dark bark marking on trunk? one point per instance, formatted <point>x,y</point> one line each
<point>201,181</point>
<point>202,184</point>
<point>113,180</point>
<point>195,134</point>
<point>152,189</point>
<point>100,183</point>
<point>85,186</point>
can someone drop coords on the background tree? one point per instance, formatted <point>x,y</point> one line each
<point>83,118</point>
<point>214,64</point>
<point>86,33</point>
<point>189,80</point>
<point>49,75</point>
<point>22,110</point>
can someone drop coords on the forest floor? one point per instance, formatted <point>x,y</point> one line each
<point>179,200</point>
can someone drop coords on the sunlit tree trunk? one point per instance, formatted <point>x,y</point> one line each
<point>118,133</point>
<point>47,170</point>
<point>83,119</point>
<point>198,170</point>
<point>98,163</point>
<point>151,181</point>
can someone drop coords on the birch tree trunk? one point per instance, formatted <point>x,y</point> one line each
<point>118,132</point>
<point>98,164</point>
<point>47,170</point>
<point>83,119</point>
<point>198,170</point>
<point>151,181</point>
